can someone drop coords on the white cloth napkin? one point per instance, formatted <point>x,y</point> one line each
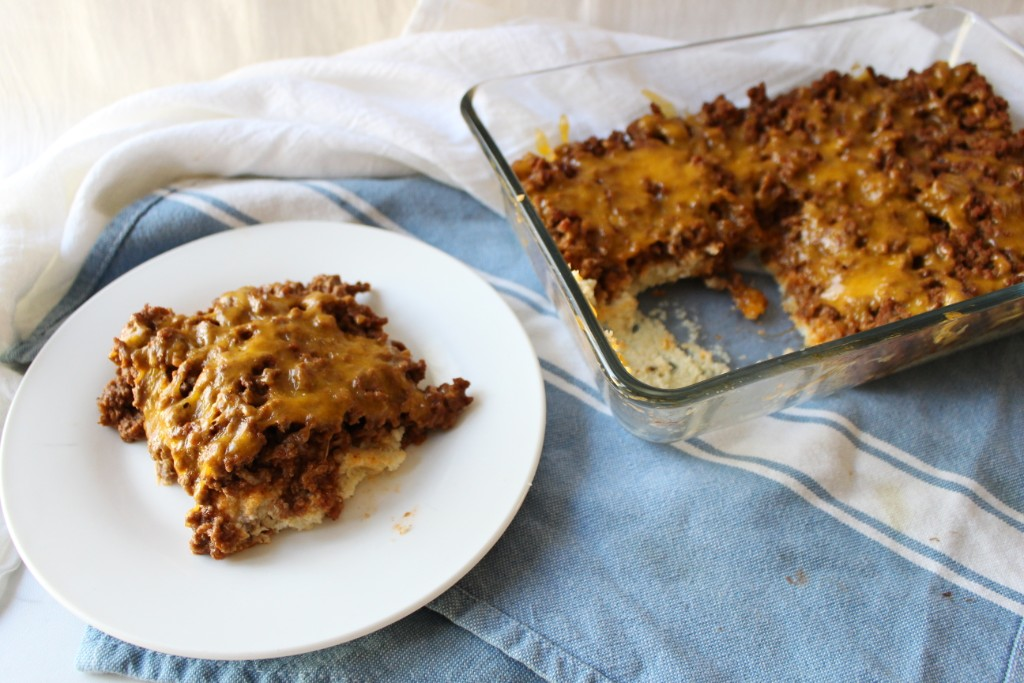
<point>386,109</point>
<point>8,557</point>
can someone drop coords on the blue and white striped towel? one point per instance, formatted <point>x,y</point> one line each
<point>874,535</point>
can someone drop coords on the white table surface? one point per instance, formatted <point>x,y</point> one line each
<point>38,637</point>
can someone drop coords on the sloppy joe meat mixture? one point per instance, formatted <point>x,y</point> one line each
<point>270,406</point>
<point>869,198</point>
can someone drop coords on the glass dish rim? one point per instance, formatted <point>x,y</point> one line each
<point>615,372</point>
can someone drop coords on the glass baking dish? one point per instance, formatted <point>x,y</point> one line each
<point>769,369</point>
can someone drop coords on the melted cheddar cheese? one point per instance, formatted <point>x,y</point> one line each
<point>270,406</point>
<point>870,199</point>
<point>288,353</point>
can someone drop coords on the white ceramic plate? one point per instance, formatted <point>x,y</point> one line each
<point>99,533</point>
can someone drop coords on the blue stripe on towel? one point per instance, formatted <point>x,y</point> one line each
<point>904,466</point>
<point>902,539</point>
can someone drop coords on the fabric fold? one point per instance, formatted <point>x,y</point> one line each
<point>514,638</point>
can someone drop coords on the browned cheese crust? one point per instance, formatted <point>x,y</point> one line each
<point>870,199</point>
<point>270,406</point>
